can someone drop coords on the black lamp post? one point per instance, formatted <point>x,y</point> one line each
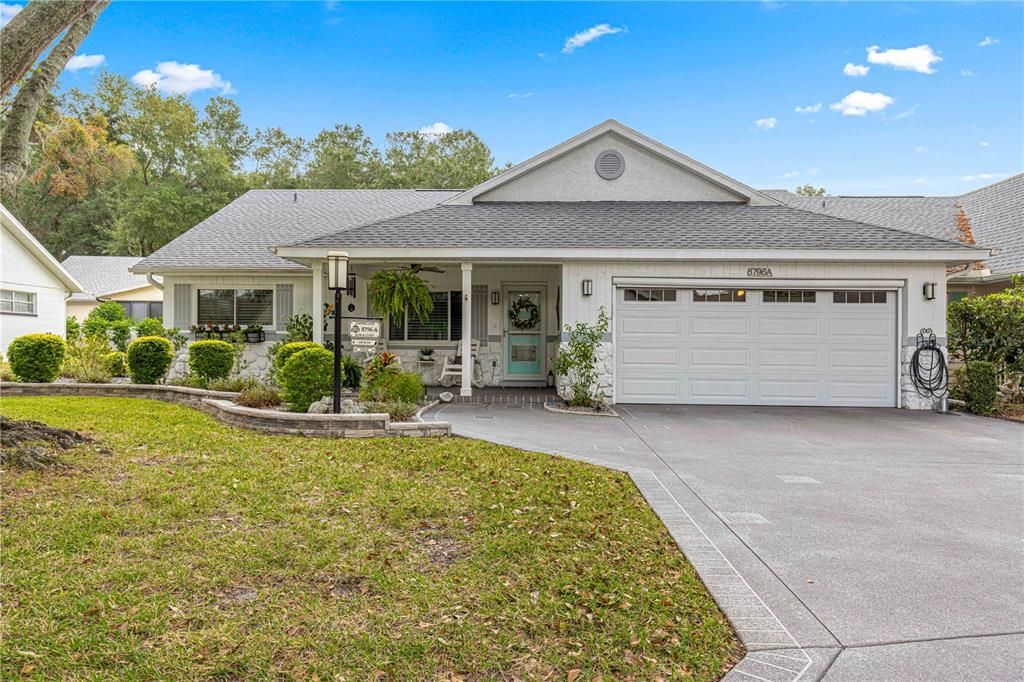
<point>337,281</point>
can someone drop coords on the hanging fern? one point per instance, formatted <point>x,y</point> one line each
<point>392,292</point>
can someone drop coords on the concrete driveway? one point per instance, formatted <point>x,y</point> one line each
<point>844,544</point>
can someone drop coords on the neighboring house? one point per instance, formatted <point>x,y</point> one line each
<point>33,285</point>
<point>719,293</point>
<point>109,278</point>
<point>994,214</point>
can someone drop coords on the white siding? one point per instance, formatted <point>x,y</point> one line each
<point>21,271</point>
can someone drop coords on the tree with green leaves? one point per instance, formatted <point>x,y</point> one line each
<point>343,158</point>
<point>810,191</point>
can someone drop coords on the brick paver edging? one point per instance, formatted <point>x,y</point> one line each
<point>219,404</point>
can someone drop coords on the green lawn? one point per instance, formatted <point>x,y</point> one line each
<point>178,548</point>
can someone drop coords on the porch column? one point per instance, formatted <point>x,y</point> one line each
<point>467,329</point>
<point>318,301</point>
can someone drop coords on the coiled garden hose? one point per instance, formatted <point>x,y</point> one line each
<point>928,369</point>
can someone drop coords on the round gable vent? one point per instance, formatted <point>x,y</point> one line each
<point>610,164</point>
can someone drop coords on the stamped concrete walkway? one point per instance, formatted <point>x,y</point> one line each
<point>843,544</point>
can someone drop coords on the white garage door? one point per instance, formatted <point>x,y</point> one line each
<point>743,347</point>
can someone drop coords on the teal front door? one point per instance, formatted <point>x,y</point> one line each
<point>524,341</point>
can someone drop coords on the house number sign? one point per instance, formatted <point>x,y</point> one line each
<point>759,272</point>
<point>365,330</point>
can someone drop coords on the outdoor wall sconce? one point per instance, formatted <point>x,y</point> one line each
<point>351,288</point>
<point>929,291</point>
<point>495,297</point>
<point>588,287</point>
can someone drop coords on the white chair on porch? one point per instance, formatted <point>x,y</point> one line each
<point>452,367</point>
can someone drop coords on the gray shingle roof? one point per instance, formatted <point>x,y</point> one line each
<point>654,225</point>
<point>103,274</point>
<point>996,213</point>
<point>932,216</point>
<point>997,219</point>
<point>241,235</point>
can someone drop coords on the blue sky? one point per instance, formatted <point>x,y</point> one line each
<point>721,82</point>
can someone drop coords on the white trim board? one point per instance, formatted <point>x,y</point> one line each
<point>759,283</point>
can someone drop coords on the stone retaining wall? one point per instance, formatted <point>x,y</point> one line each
<point>219,404</point>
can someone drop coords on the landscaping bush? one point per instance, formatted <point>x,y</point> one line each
<point>404,387</point>
<point>290,349</point>
<point>989,328</point>
<point>86,361</point>
<point>381,365</point>
<point>232,384</point>
<point>110,311</point>
<point>121,334</point>
<point>299,327</point>
<point>982,387</point>
<point>72,329</point>
<point>151,326</point>
<point>577,359</point>
<point>149,358</point>
<point>117,363</point>
<point>259,395</point>
<point>211,359</point>
<point>399,411</point>
<point>37,357</point>
<point>351,372</point>
<point>306,377</point>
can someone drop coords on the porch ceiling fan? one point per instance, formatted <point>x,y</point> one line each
<point>418,267</point>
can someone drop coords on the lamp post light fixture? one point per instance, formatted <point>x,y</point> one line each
<point>588,287</point>
<point>495,297</point>
<point>929,291</point>
<point>337,281</point>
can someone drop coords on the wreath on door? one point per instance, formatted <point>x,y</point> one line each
<point>523,313</point>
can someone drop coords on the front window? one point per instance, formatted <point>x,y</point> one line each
<point>17,302</point>
<point>719,295</point>
<point>236,306</point>
<point>443,324</point>
<point>858,297</point>
<point>787,296</point>
<point>140,310</point>
<point>649,295</point>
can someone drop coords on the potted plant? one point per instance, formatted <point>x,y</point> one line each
<point>254,333</point>
<point>393,292</point>
<point>426,354</point>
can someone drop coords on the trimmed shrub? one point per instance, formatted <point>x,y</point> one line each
<point>211,359</point>
<point>403,387</point>
<point>151,326</point>
<point>149,358</point>
<point>306,377</point>
<point>290,349</point>
<point>111,311</point>
<point>117,363</point>
<point>982,387</point>
<point>86,361</point>
<point>351,372</point>
<point>37,357</point>
<point>989,328</point>
<point>259,395</point>
<point>399,411</point>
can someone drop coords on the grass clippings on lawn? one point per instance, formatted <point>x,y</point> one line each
<point>189,549</point>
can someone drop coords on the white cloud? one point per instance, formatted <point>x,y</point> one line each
<point>919,59</point>
<point>766,123</point>
<point>966,72</point>
<point>855,70</point>
<point>519,95</point>
<point>589,35</point>
<point>984,176</point>
<point>984,144</point>
<point>177,78</point>
<point>7,11</point>
<point>909,112</point>
<point>921,148</point>
<point>988,41</point>
<point>85,61</point>
<point>859,103</point>
<point>789,175</point>
<point>809,109</point>
<point>435,130</point>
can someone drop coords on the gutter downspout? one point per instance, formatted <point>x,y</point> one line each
<point>158,284</point>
